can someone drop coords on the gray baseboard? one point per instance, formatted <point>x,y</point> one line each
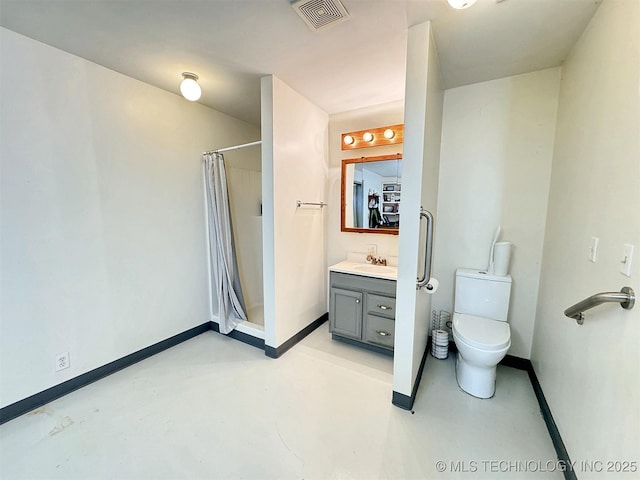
<point>521,364</point>
<point>406,402</point>
<point>526,365</point>
<point>552,427</point>
<point>50,394</point>
<point>240,336</point>
<point>400,400</point>
<point>275,352</point>
<point>42,398</point>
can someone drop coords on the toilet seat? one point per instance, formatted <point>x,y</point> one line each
<point>481,332</point>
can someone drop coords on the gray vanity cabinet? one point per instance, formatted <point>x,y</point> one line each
<point>363,309</point>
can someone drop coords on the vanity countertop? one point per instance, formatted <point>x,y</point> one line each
<point>366,269</point>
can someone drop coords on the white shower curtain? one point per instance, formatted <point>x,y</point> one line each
<point>225,280</point>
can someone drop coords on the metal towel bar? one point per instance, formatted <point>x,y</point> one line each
<point>300,203</point>
<point>626,297</point>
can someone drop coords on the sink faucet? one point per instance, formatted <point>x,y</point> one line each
<point>376,261</point>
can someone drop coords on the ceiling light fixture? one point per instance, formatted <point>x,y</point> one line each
<point>189,86</point>
<point>461,4</point>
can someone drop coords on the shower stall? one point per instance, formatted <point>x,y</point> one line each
<point>243,174</point>
<point>244,181</point>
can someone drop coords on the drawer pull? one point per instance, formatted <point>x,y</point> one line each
<point>384,307</point>
<point>357,300</point>
<point>382,333</point>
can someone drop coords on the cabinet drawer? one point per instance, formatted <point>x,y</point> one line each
<point>380,305</point>
<point>379,331</point>
<point>357,282</point>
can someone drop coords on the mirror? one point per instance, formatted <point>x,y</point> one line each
<point>370,194</point>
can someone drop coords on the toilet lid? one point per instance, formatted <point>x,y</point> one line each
<point>482,332</point>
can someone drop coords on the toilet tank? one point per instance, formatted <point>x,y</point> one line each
<point>482,294</point>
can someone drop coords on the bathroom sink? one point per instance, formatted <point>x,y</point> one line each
<point>367,268</point>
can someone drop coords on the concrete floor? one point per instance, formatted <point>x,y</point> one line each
<point>215,408</point>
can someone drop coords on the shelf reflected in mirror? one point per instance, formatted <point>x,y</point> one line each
<point>371,194</point>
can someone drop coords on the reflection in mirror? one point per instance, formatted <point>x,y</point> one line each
<point>371,194</point>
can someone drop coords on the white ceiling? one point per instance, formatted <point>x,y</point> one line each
<point>230,44</point>
<point>385,168</point>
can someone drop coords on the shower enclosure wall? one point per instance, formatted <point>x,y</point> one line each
<point>244,181</point>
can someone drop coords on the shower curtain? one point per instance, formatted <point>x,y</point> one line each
<point>225,280</point>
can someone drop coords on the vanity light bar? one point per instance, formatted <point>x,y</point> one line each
<point>373,137</point>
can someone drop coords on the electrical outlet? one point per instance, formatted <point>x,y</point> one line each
<point>62,361</point>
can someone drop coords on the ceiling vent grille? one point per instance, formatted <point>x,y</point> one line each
<point>320,14</point>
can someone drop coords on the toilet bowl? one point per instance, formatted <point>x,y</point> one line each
<point>480,329</point>
<point>481,344</point>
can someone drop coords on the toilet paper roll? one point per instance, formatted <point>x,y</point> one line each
<point>439,338</point>
<point>434,284</point>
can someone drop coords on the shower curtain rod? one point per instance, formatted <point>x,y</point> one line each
<point>235,147</point>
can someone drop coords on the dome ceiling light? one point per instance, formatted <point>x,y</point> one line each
<point>189,86</point>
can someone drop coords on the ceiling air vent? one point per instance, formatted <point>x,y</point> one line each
<point>319,14</point>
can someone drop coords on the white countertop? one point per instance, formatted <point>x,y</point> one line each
<point>366,269</point>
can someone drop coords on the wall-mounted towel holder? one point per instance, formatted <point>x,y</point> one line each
<point>300,203</point>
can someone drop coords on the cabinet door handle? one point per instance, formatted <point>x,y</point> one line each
<point>384,307</point>
<point>357,300</point>
<point>382,333</point>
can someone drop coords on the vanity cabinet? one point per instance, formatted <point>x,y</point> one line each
<point>362,309</point>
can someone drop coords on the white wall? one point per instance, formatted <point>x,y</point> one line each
<point>340,243</point>
<point>103,235</point>
<point>295,165</point>
<point>589,373</point>
<point>497,146</point>
<point>420,171</point>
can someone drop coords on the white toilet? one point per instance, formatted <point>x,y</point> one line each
<point>480,329</point>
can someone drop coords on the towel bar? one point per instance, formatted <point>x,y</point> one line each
<point>299,203</point>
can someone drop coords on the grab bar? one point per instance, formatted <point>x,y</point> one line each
<point>421,282</point>
<point>626,297</point>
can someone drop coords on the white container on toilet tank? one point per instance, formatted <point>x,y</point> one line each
<point>501,258</point>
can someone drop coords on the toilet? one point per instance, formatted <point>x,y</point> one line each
<point>480,329</point>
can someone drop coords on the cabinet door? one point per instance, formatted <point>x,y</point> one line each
<point>345,314</point>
